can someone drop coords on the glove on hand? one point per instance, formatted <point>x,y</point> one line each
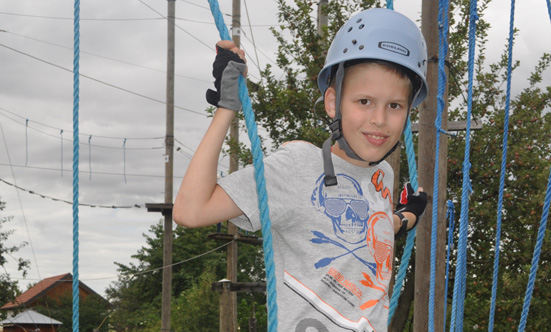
<point>226,69</point>
<point>413,202</point>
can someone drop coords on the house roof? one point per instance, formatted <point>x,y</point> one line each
<point>41,289</point>
<point>30,317</point>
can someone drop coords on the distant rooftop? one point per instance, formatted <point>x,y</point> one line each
<point>30,317</point>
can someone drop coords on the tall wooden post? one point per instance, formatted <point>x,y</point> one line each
<point>426,156</point>
<point>231,319</point>
<point>169,162</point>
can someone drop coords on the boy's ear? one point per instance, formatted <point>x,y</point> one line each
<point>330,101</point>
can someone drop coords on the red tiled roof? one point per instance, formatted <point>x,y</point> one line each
<point>37,290</point>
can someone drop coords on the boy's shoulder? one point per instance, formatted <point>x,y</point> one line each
<point>298,143</point>
<point>301,151</point>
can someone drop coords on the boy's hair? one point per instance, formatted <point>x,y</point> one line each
<point>401,71</point>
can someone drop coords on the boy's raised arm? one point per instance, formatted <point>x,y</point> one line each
<point>200,201</point>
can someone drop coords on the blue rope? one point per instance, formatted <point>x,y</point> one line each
<point>451,221</point>
<point>460,282</point>
<point>259,177</point>
<point>390,4</point>
<point>503,166</point>
<point>536,257</point>
<point>75,163</point>
<point>410,240</point>
<point>442,54</point>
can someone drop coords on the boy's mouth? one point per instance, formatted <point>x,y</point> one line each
<point>375,138</point>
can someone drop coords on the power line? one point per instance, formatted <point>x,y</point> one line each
<point>84,172</point>
<point>82,19</point>
<point>100,81</point>
<point>166,18</point>
<point>71,202</point>
<point>25,124</point>
<point>129,19</point>
<point>104,57</point>
<point>148,270</point>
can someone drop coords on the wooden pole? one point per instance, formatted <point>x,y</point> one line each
<point>231,319</point>
<point>426,157</point>
<point>169,166</point>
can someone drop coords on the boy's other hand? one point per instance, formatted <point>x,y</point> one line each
<point>412,202</point>
<point>228,65</point>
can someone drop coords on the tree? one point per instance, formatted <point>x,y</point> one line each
<point>93,312</point>
<point>8,288</point>
<point>198,262</point>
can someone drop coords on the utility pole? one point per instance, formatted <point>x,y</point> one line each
<point>229,323</point>
<point>427,157</point>
<point>169,163</point>
<point>322,16</point>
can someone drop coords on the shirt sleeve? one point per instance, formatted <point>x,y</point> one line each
<point>242,188</point>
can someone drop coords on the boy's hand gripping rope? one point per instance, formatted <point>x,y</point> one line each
<point>259,177</point>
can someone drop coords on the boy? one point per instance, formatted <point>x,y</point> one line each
<point>331,209</point>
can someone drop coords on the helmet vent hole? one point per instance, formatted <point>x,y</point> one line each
<point>349,29</point>
<point>354,42</point>
<point>362,26</point>
<point>359,20</point>
<point>361,47</point>
<point>345,50</point>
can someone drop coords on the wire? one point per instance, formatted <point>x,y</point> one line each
<point>71,202</point>
<point>149,270</point>
<point>82,19</point>
<point>20,202</point>
<point>105,57</point>
<point>176,25</point>
<point>95,145</point>
<point>102,82</point>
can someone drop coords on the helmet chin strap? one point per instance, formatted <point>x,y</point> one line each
<point>330,178</point>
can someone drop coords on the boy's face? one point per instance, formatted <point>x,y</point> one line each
<point>374,107</point>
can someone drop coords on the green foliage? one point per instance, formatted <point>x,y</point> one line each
<point>93,312</point>
<point>198,262</point>
<point>8,288</point>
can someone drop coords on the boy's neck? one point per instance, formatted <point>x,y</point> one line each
<point>336,150</point>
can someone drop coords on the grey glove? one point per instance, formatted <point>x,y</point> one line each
<point>226,69</point>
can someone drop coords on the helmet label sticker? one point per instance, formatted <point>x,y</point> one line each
<point>393,47</point>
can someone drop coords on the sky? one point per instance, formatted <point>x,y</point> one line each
<point>122,116</point>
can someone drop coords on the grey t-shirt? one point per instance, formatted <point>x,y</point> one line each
<point>333,246</point>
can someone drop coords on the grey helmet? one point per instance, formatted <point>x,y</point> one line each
<point>373,34</point>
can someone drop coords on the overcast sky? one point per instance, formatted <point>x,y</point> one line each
<point>123,46</point>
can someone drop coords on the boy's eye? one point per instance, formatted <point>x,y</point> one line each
<point>365,101</point>
<point>394,106</point>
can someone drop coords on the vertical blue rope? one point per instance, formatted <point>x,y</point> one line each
<point>451,221</point>
<point>503,166</point>
<point>442,81</point>
<point>259,177</point>
<point>461,273</point>
<point>75,163</point>
<point>390,4</point>
<point>536,257</point>
<point>410,240</point>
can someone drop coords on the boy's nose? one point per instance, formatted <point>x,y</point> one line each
<point>378,116</point>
